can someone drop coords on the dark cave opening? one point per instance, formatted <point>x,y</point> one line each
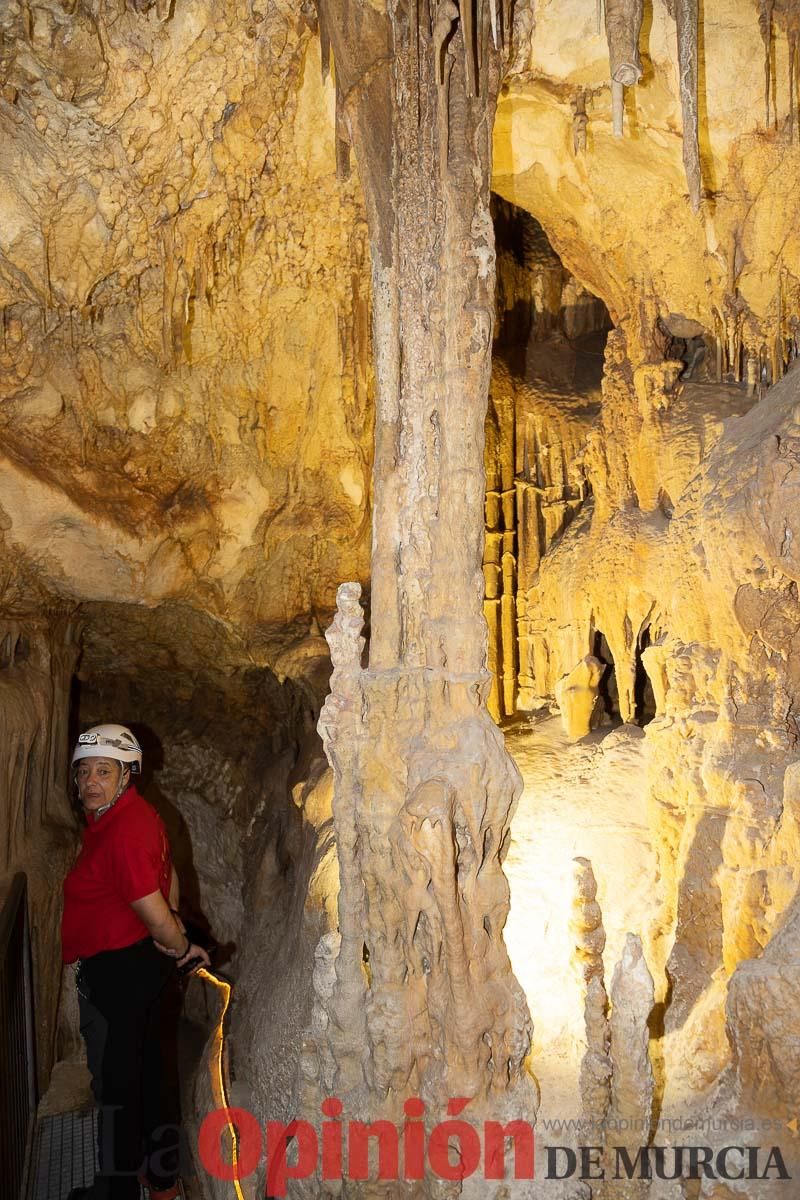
<point>608,689</point>
<point>541,307</point>
<point>644,696</point>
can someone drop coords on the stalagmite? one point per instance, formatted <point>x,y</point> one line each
<point>752,374</point>
<point>590,940</point>
<point>577,693</point>
<point>632,997</point>
<point>687,18</point>
<point>587,922</point>
<point>623,26</point>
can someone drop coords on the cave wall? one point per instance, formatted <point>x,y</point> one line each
<point>38,829</point>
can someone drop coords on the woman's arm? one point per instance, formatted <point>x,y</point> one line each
<point>174,890</point>
<point>162,926</point>
<point>154,912</point>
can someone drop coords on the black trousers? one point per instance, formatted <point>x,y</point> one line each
<point>129,1024</point>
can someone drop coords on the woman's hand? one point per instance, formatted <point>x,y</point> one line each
<point>166,930</point>
<point>196,952</point>
<point>168,951</point>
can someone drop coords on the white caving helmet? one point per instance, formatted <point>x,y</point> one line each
<point>110,741</point>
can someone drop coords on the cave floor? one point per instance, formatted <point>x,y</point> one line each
<point>579,799</point>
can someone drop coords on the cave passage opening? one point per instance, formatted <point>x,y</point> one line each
<point>608,687</point>
<point>549,326</point>
<point>644,696</point>
<point>544,400</point>
<point>221,734</point>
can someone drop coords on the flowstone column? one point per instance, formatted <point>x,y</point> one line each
<point>418,1000</point>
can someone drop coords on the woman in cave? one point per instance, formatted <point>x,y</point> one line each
<point>121,928</point>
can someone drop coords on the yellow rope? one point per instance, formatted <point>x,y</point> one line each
<point>218,1083</point>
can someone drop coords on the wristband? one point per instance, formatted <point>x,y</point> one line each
<point>186,951</point>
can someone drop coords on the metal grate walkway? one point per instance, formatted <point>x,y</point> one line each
<point>63,1155</point>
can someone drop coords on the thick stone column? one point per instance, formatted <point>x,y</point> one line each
<point>418,999</point>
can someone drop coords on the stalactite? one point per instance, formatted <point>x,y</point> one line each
<point>719,345</point>
<point>170,286</point>
<point>617,107</point>
<point>777,341</point>
<point>494,25</point>
<point>468,33</point>
<point>415,31</point>
<point>343,141</point>
<point>794,62</point>
<point>442,112</point>
<point>446,14</point>
<point>472,36</point>
<point>765,25</point>
<point>211,267</point>
<point>473,28</point>
<point>580,123</point>
<point>197,274</point>
<point>687,18</point>
<point>188,321</point>
<point>48,302</point>
<point>324,46</point>
<point>623,26</point>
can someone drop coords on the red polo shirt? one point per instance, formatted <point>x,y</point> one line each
<point>124,856</point>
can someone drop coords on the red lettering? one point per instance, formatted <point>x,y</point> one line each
<point>494,1135</point>
<point>469,1149</point>
<point>414,1140</point>
<point>247,1153</point>
<point>358,1136</point>
<point>332,1140</point>
<point>278,1168</point>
